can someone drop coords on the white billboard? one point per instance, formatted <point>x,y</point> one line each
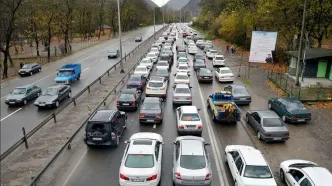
<point>262,45</point>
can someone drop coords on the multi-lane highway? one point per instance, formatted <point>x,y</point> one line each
<point>94,166</point>
<point>94,62</point>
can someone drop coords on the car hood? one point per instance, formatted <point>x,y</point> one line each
<point>16,96</point>
<point>200,65</point>
<point>43,98</point>
<point>276,129</point>
<point>62,78</point>
<point>259,182</point>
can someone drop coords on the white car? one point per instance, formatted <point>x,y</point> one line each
<point>162,39</point>
<point>159,43</point>
<point>191,44</point>
<point>155,50</point>
<point>192,50</point>
<point>248,166</point>
<point>141,161</point>
<point>182,60</point>
<point>224,74</point>
<point>173,34</point>
<point>183,68</point>
<point>200,41</point>
<point>156,46</point>
<point>302,172</point>
<point>211,53</point>
<point>182,94</point>
<point>162,64</point>
<point>146,62</point>
<point>188,120</point>
<point>156,87</point>
<point>152,56</point>
<point>218,60</point>
<point>142,70</point>
<point>167,47</point>
<point>182,78</point>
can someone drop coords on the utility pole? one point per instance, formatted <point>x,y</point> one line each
<point>119,20</point>
<point>297,82</point>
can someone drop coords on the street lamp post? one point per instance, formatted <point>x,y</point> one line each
<point>119,20</point>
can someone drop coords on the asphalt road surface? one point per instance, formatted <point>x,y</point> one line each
<point>94,63</point>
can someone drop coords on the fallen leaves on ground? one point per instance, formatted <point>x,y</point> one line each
<point>322,105</point>
<point>276,89</point>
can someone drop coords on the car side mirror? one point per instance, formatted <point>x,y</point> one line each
<point>198,109</point>
<point>127,141</point>
<point>206,143</point>
<point>190,87</point>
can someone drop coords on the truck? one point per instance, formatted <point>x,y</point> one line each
<point>68,73</point>
<point>223,108</point>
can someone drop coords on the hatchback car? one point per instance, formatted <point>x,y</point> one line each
<point>162,64</point>
<point>182,60</point>
<point>248,166</point>
<point>156,87</point>
<point>146,62</point>
<point>204,75</point>
<point>268,125</point>
<point>30,69</point>
<point>163,72</point>
<point>290,109</point>
<point>129,99</point>
<point>22,95</point>
<point>142,70</point>
<point>188,120</point>
<point>199,64</point>
<point>152,56</point>
<point>113,54</point>
<point>298,172</point>
<point>151,110</point>
<point>199,56</point>
<point>142,160</point>
<point>53,95</point>
<point>105,128</point>
<point>191,164</point>
<point>136,81</point>
<point>182,78</point>
<point>224,74</point>
<point>240,94</point>
<point>182,94</point>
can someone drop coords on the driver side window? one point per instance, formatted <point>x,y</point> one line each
<point>305,182</point>
<point>177,150</point>
<point>297,175</point>
<point>157,150</point>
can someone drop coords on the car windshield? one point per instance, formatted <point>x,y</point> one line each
<point>182,77</point>
<point>162,64</point>
<point>150,106</point>
<point>64,73</point>
<point>192,162</point>
<point>225,71</point>
<point>219,58</point>
<point>295,106</point>
<point>150,55</point>
<point>199,57</point>
<point>182,60</point>
<point>145,61</point>
<point>162,72</point>
<point>27,66</point>
<point>126,96</point>
<point>240,90</point>
<point>183,68</point>
<point>182,90</point>
<point>272,122</point>
<point>135,78</point>
<point>17,91</point>
<point>252,171</point>
<point>156,84</point>
<point>190,117</point>
<point>50,92</point>
<point>140,69</point>
<point>139,161</point>
<point>205,71</point>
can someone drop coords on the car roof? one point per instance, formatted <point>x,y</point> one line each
<point>151,100</point>
<point>189,109</point>
<point>181,86</point>
<point>131,90</point>
<point>184,65</point>
<point>219,55</point>
<point>24,86</point>
<point>182,73</point>
<point>192,147</point>
<point>317,173</point>
<point>102,115</point>
<point>252,156</point>
<point>290,100</point>
<point>141,148</point>
<point>267,114</point>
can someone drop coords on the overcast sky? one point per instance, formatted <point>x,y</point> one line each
<point>160,2</point>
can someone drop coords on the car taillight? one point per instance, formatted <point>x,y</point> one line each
<point>123,177</point>
<point>208,176</point>
<point>141,116</point>
<point>158,116</point>
<point>178,175</point>
<point>188,98</point>
<point>181,127</point>
<point>117,102</point>
<point>286,133</point>
<point>267,134</point>
<point>200,77</point>
<point>153,177</point>
<point>139,83</point>
<point>200,126</point>
<point>112,134</point>
<point>308,116</point>
<point>133,102</point>
<point>293,117</point>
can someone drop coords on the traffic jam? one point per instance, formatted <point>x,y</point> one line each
<point>179,59</point>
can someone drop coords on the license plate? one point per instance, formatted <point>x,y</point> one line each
<point>301,120</point>
<point>150,120</point>
<point>96,139</point>
<point>276,138</point>
<point>41,104</point>
<point>206,77</point>
<point>11,102</point>
<point>125,103</point>
<point>155,89</point>
<point>243,98</point>
<point>191,127</point>
<point>137,180</point>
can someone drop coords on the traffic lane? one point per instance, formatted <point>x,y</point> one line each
<point>50,70</point>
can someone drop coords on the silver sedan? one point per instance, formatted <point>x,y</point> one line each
<point>191,165</point>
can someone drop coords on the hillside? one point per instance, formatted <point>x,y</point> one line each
<point>176,4</point>
<point>193,7</point>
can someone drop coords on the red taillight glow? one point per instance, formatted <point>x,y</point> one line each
<point>112,134</point>
<point>208,176</point>
<point>188,98</point>
<point>293,117</point>
<point>158,116</point>
<point>178,175</point>
<point>141,116</point>
<point>123,177</point>
<point>117,102</point>
<point>153,177</point>
<point>133,102</point>
<point>200,126</point>
<point>200,77</point>
<point>181,127</point>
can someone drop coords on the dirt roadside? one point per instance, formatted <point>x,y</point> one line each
<point>20,166</point>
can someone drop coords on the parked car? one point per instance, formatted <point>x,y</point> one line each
<point>53,95</point>
<point>129,99</point>
<point>224,74</point>
<point>105,128</point>
<point>163,72</point>
<point>290,109</point>
<point>240,94</point>
<point>182,94</point>
<point>113,54</point>
<point>199,64</point>
<point>22,95</point>
<point>157,87</point>
<point>146,62</point>
<point>182,60</point>
<point>188,120</point>
<point>138,39</point>
<point>181,78</point>
<point>298,172</point>
<point>191,162</point>
<point>211,53</point>
<point>183,68</point>
<point>30,69</point>
<point>199,56</point>
<point>152,56</point>
<point>162,64</point>
<point>204,75</point>
<point>151,110</point>
<point>248,166</point>
<point>142,160</point>
<point>137,81</point>
<point>268,125</point>
<point>142,70</point>
<point>218,60</point>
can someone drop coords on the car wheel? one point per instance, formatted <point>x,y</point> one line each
<point>259,135</point>
<point>69,94</point>
<point>39,70</point>
<point>282,175</point>
<point>247,119</point>
<point>78,77</point>
<point>284,118</point>
<point>31,73</point>
<point>270,106</point>
<point>25,102</point>
<point>117,141</point>
<point>57,104</point>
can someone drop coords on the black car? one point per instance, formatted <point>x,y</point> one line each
<point>53,95</point>
<point>181,54</point>
<point>151,110</point>
<point>199,56</point>
<point>29,69</point>
<point>22,95</point>
<point>138,39</point>
<point>162,72</point>
<point>166,57</point>
<point>105,128</point>
<point>199,64</point>
<point>113,54</point>
<point>240,94</point>
<point>136,81</point>
<point>204,75</point>
<point>181,48</point>
<point>129,99</point>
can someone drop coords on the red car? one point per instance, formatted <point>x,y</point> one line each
<point>184,34</point>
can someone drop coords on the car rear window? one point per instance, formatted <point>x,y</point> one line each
<point>100,127</point>
<point>140,69</point>
<point>252,171</point>
<point>200,62</point>
<point>182,90</point>
<point>182,60</point>
<point>205,71</point>
<point>150,106</point>
<point>126,96</point>
<point>294,106</point>
<point>135,78</point>
<point>182,77</point>
<point>219,58</point>
<point>156,84</point>
<point>162,72</point>
<point>139,161</point>
<point>192,162</point>
<point>226,71</point>
<point>272,122</point>
<point>190,117</point>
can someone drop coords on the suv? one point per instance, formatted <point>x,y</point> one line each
<point>105,128</point>
<point>29,69</point>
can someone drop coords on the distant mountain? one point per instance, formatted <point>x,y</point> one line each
<point>151,4</point>
<point>176,4</point>
<point>193,7</point>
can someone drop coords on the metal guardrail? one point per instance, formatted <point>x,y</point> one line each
<point>72,100</point>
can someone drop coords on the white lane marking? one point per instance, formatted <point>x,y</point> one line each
<point>216,152</point>
<point>154,126</point>
<point>75,167</point>
<point>10,114</point>
<point>85,69</point>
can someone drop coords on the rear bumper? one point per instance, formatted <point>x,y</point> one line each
<point>151,94</point>
<point>225,79</point>
<point>190,131</point>
<point>182,102</point>
<point>14,103</point>
<point>242,102</point>
<point>189,183</point>
<point>150,120</point>
<point>92,143</point>
<point>128,183</point>
<point>270,139</point>
<point>298,120</point>
<point>125,107</point>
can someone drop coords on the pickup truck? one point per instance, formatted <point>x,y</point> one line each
<point>223,108</point>
<point>68,73</point>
